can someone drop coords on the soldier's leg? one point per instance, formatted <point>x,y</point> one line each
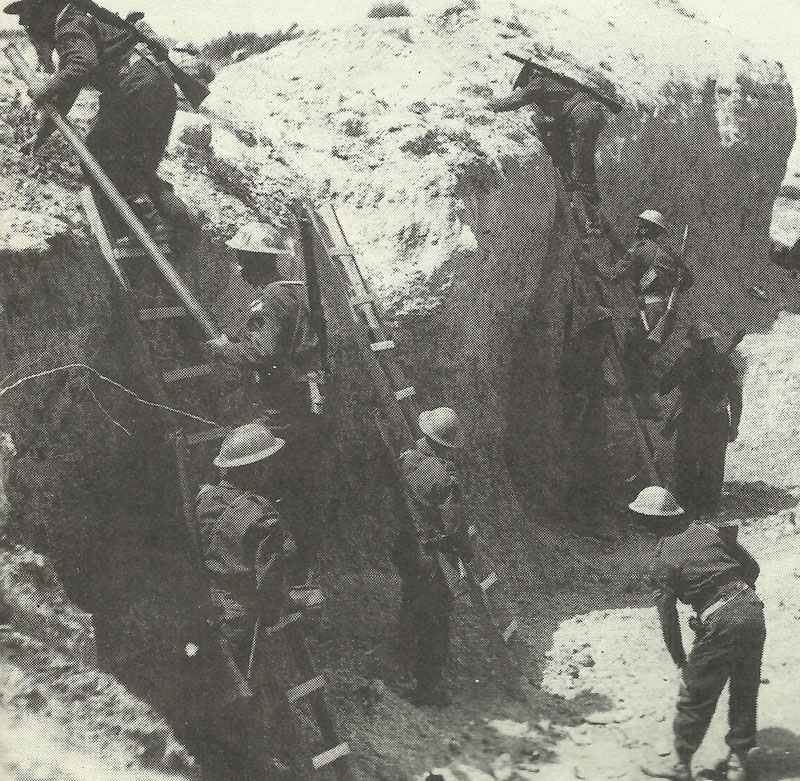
<point>553,135</point>
<point>704,677</point>
<point>433,644</point>
<point>586,122</point>
<point>712,446</point>
<point>684,471</point>
<point>746,675</point>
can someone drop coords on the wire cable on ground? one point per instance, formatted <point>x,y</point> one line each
<point>114,383</point>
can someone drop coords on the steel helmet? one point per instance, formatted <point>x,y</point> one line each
<point>654,218</point>
<point>702,331</point>
<point>656,501</point>
<point>443,426</point>
<point>15,9</point>
<point>246,445</point>
<point>261,238</point>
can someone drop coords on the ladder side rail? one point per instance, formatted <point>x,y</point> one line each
<point>105,184</point>
<point>322,712</point>
<point>98,230</point>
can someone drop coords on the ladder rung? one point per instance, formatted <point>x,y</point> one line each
<point>162,313</point>
<point>509,631</point>
<point>379,347</point>
<point>405,393</point>
<point>283,623</point>
<point>135,251</point>
<point>189,372</point>
<point>362,300</point>
<point>209,435</point>
<point>489,582</point>
<point>326,757</point>
<point>304,689</point>
<point>340,252</point>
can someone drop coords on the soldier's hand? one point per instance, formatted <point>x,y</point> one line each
<point>733,433</point>
<point>218,345</point>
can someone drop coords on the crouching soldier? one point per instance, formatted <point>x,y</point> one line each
<point>282,349</point>
<point>704,566</point>
<point>427,549</point>
<point>649,273</point>
<point>244,549</point>
<point>711,396</point>
<point>569,128</point>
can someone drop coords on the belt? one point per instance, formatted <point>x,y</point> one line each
<point>737,588</point>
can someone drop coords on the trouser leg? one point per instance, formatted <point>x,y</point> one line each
<point>432,613</point>
<point>586,121</point>
<point>746,678</point>
<point>685,472</point>
<point>705,675</point>
<point>711,467</point>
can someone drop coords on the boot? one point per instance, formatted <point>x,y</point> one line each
<point>145,210</point>
<point>675,769</point>
<point>736,768</point>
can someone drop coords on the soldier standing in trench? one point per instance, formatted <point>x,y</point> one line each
<point>427,549</point>
<point>648,273</point>
<point>711,395</point>
<point>283,350</point>
<point>244,549</point>
<point>137,103</point>
<point>569,128</point>
<point>704,566</point>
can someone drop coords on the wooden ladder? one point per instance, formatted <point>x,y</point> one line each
<point>135,317</point>
<point>400,406</point>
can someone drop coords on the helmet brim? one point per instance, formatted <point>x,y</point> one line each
<point>235,245</point>
<point>650,514</point>
<point>426,429</point>
<point>253,458</point>
<point>13,9</point>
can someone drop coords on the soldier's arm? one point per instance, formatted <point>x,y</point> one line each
<point>522,96</point>
<point>626,266</point>
<point>661,579</point>
<point>750,568</point>
<point>77,59</point>
<point>666,604</point>
<point>454,521</point>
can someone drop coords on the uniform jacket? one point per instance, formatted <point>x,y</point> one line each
<point>91,54</point>
<point>707,386</point>
<point>693,567</point>
<point>433,497</point>
<point>241,540</point>
<point>279,337</point>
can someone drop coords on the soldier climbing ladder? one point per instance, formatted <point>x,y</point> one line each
<point>336,753</point>
<point>400,408</point>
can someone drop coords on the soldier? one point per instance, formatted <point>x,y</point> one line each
<point>244,548</point>
<point>649,274</point>
<point>137,102</point>
<point>703,565</point>
<point>426,551</point>
<point>283,349</point>
<point>569,129</point>
<point>711,394</point>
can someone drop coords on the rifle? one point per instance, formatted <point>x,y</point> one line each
<point>317,318</point>
<point>194,90</point>
<point>659,330</point>
<point>675,412</point>
<point>610,103</point>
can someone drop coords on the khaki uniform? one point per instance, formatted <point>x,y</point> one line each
<point>647,274</point>
<point>282,350</point>
<point>700,569</point>
<point>137,99</point>
<point>712,406</point>
<point>425,554</point>
<point>242,543</point>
